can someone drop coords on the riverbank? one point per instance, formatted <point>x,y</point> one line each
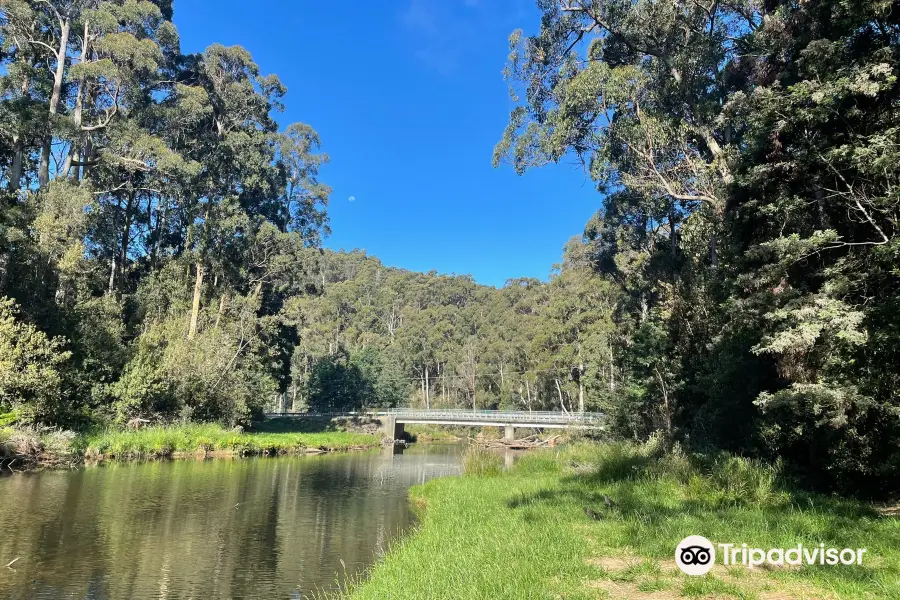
<point>545,530</point>
<point>21,448</point>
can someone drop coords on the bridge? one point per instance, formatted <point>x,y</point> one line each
<point>393,420</point>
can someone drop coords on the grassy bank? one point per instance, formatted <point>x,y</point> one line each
<point>544,530</point>
<point>53,448</point>
<point>437,433</point>
<point>165,441</point>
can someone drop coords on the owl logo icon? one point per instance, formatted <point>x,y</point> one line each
<point>695,555</point>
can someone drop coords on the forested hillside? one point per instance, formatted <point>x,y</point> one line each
<point>386,337</point>
<point>160,235</point>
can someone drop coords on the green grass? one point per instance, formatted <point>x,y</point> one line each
<point>165,441</point>
<point>481,461</point>
<point>526,533</point>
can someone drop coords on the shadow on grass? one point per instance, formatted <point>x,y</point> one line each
<point>295,425</point>
<point>641,493</point>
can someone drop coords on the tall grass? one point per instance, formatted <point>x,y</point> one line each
<point>167,440</point>
<point>544,529</point>
<point>29,446</point>
<point>481,462</point>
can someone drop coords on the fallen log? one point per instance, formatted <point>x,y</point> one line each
<point>526,443</point>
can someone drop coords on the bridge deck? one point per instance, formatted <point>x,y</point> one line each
<point>487,418</point>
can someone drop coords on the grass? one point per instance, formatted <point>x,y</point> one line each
<point>481,462</point>
<point>437,433</point>
<point>30,446</point>
<point>543,530</point>
<point>192,438</point>
<point>48,447</point>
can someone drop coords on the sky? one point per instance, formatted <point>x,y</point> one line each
<point>409,100</point>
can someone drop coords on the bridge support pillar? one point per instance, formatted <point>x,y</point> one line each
<point>392,429</point>
<point>509,433</point>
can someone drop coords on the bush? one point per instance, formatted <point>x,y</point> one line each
<point>30,365</point>
<point>834,438</point>
<point>207,378</point>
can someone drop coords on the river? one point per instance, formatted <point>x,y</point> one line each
<point>223,528</point>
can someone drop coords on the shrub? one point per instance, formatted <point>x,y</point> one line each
<point>30,365</point>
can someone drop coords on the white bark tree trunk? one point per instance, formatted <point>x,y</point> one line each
<point>58,76</point>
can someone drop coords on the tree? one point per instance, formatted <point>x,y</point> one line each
<point>30,368</point>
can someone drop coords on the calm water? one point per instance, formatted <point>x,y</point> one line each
<point>253,528</point>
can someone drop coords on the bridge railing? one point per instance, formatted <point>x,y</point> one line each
<point>504,416</point>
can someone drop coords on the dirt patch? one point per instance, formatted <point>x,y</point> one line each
<point>766,588</point>
<point>629,576</point>
<point>620,589</point>
<point>615,563</point>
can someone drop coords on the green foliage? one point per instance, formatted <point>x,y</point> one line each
<point>163,241</point>
<point>30,364</point>
<point>351,383</point>
<point>8,418</point>
<point>206,378</point>
<point>434,340</point>
<point>748,158</point>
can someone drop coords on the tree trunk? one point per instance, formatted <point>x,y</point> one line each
<point>160,227</point>
<point>422,385</point>
<point>667,412</point>
<point>562,404</point>
<point>112,275</point>
<point>820,203</point>
<point>79,108</point>
<point>195,306</point>
<point>126,236</point>
<point>427,390</point>
<point>528,393</point>
<point>581,389</point>
<point>672,227</point>
<point>223,301</point>
<point>612,371</point>
<point>4,272</point>
<point>44,173</point>
<point>15,171</point>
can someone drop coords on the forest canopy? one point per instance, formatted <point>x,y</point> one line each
<point>738,288</point>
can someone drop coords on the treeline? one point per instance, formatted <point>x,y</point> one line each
<point>378,336</point>
<point>153,219</point>
<point>748,156</point>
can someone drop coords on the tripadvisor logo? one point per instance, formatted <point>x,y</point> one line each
<point>696,555</point>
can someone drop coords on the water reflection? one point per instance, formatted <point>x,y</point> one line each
<point>254,528</point>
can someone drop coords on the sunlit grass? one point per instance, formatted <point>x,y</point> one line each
<point>193,438</point>
<point>544,530</point>
<point>479,461</point>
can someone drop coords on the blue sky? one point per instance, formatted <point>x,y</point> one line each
<point>409,100</point>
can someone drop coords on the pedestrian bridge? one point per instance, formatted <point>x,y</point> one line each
<point>393,420</point>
